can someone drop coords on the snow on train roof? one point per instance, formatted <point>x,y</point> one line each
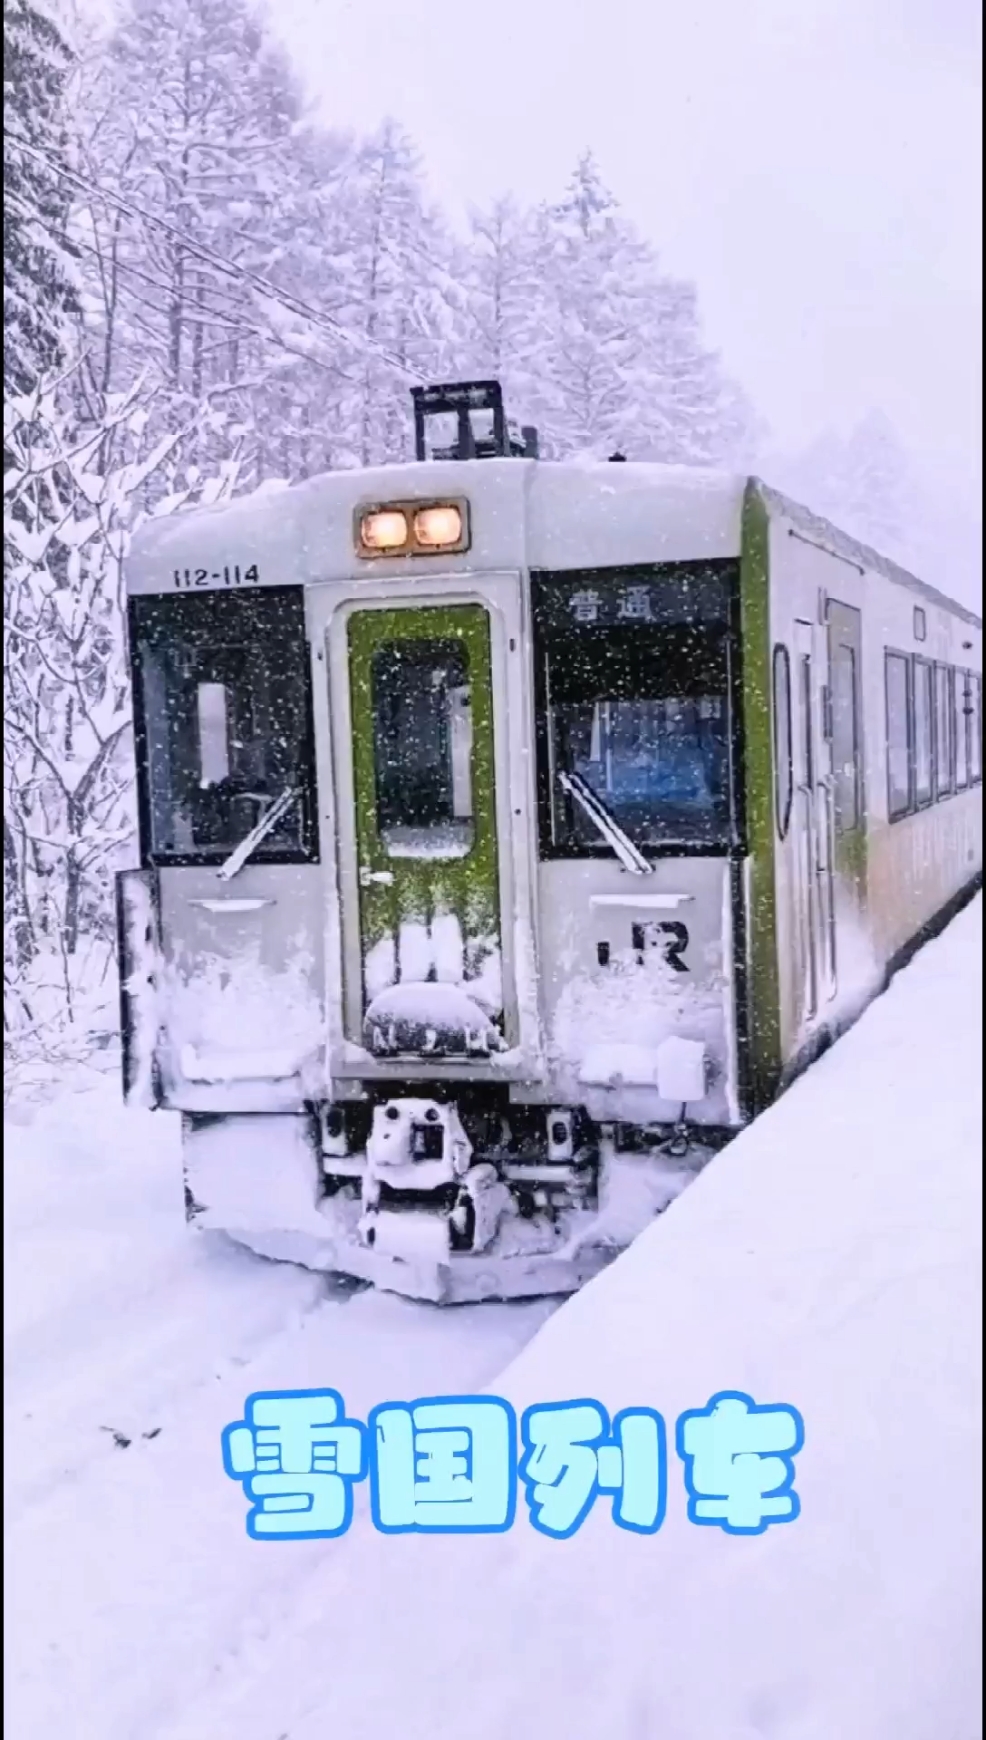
<point>533,514</point>
<point>524,513</point>
<point>866,558</point>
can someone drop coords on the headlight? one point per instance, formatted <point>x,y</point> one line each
<point>437,528</point>
<point>412,528</point>
<point>385,529</point>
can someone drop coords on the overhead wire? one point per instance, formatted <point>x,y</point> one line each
<point>294,304</point>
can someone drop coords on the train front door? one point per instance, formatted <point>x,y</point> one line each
<point>423,776</point>
<point>812,819</point>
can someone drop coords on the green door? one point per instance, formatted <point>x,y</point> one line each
<point>846,738</point>
<point>423,765</point>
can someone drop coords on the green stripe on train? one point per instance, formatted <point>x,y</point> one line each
<point>763,991</point>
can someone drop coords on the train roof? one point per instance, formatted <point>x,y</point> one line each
<point>862,555</point>
<point>534,514</point>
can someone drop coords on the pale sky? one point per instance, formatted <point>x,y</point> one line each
<point>813,164</point>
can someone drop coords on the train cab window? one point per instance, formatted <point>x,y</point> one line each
<point>944,732</point>
<point>924,727</point>
<point>783,748</point>
<point>223,723</point>
<point>634,700</point>
<point>962,733</point>
<point>422,727</point>
<point>899,734</point>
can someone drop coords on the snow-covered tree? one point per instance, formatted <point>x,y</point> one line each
<point>863,482</point>
<point>246,295</point>
<point>504,312</point>
<point>190,123</point>
<point>68,511</point>
<point>40,279</point>
<point>400,292</point>
<point>605,349</point>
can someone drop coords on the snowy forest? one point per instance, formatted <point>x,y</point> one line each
<point>207,291</point>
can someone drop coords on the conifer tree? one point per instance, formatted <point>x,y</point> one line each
<point>40,280</point>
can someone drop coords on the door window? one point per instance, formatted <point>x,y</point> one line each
<point>961,730</point>
<point>845,737</point>
<point>807,736</point>
<point>422,747</point>
<point>944,732</point>
<point>783,750</point>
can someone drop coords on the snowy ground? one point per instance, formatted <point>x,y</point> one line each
<point>829,1259</point>
<point>130,1579</point>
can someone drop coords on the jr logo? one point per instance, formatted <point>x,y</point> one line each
<point>668,935</point>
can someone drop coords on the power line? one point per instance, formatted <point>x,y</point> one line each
<point>294,304</point>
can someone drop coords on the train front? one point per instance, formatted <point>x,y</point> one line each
<point>437,936</point>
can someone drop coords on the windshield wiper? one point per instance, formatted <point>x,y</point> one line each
<point>252,840</point>
<point>606,824</point>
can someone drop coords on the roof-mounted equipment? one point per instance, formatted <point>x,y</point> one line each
<point>467,420</point>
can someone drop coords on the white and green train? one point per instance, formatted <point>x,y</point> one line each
<point>511,833</point>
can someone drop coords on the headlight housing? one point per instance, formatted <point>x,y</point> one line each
<point>412,528</point>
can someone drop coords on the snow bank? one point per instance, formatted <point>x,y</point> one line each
<point>130,1341</point>
<point>828,1259</point>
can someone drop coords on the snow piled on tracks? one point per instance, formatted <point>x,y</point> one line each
<point>130,1342</point>
<point>830,1258</point>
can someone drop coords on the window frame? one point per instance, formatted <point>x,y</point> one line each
<point>946,788</point>
<point>167,608</point>
<point>781,659</point>
<point>962,723</point>
<point>975,728</point>
<point>918,802</point>
<point>897,814</point>
<point>858,791</point>
<point>920,624</point>
<point>384,666</point>
<point>726,573</point>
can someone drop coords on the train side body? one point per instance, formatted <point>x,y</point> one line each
<point>855,885</point>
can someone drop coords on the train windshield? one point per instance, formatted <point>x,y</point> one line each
<point>222,719</point>
<point>635,703</point>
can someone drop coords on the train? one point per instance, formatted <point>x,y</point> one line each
<point>512,832</point>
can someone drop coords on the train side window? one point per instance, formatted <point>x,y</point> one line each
<point>924,732</point>
<point>976,729</point>
<point>783,749</point>
<point>899,734</point>
<point>944,732</point>
<point>845,737</point>
<point>961,731</point>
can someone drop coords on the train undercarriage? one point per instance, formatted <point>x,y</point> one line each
<point>435,1200</point>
